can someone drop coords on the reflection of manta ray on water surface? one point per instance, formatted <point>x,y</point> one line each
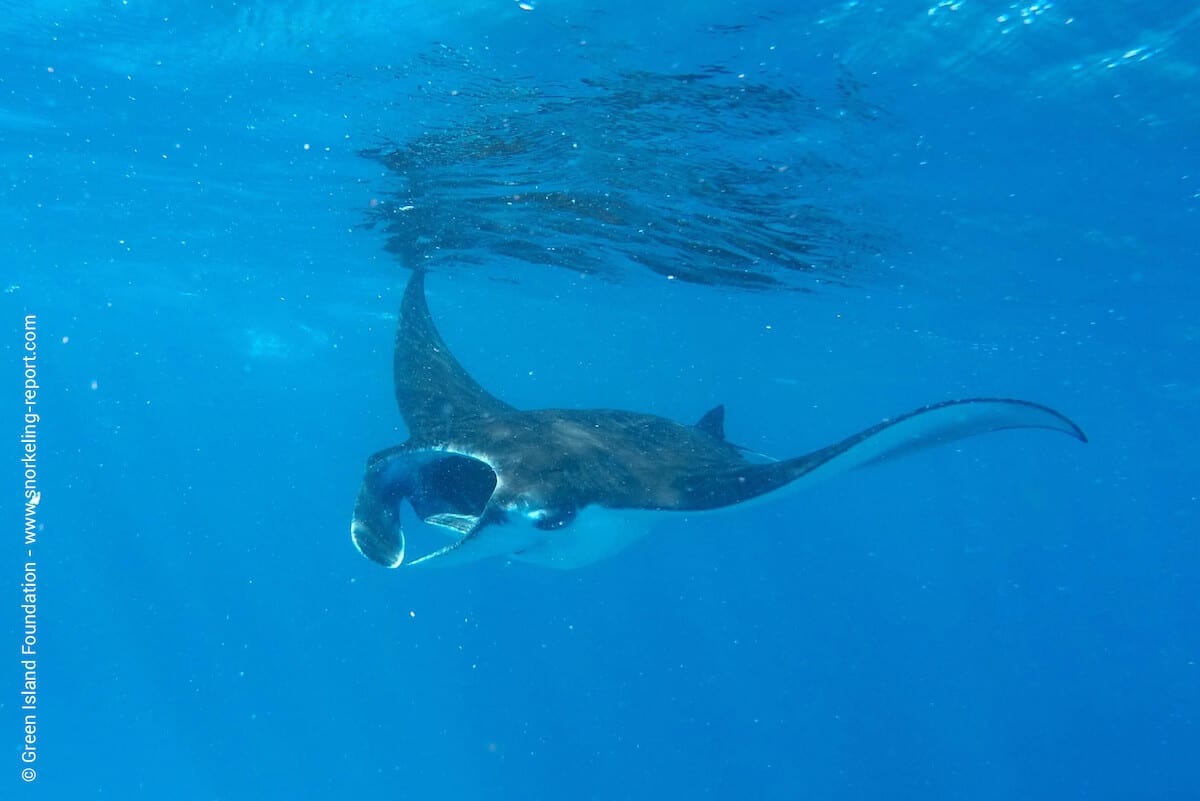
<point>567,487</point>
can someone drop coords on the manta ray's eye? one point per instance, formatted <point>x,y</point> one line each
<point>554,519</point>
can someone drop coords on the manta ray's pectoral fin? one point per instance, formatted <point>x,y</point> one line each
<point>927,427</point>
<point>446,489</point>
<point>938,424</point>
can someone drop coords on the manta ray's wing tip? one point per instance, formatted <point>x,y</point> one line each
<point>1038,415</point>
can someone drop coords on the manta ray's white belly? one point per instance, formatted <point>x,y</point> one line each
<point>596,533</point>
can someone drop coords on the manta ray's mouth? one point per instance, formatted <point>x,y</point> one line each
<point>446,489</point>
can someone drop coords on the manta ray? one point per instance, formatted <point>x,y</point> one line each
<point>567,487</point>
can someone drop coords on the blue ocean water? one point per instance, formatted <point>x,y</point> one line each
<point>819,214</point>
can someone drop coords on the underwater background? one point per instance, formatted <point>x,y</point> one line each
<point>819,214</point>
